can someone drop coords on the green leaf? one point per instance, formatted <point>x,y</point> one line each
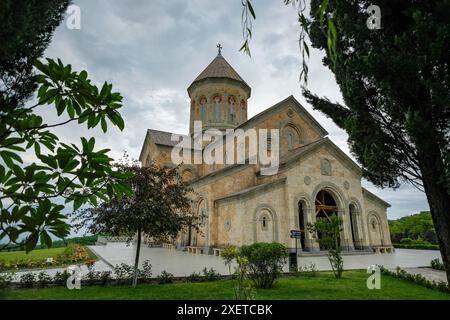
<point>45,239</point>
<point>250,7</point>
<point>31,242</point>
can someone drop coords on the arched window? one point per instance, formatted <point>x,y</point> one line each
<point>290,139</point>
<point>203,102</point>
<point>264,223</point>
<point>217,115</point>
<point>232,103</point>
<point>326,167</point>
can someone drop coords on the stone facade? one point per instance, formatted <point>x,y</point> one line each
<point>236,204</point>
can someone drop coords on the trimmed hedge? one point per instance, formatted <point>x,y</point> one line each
<point>416,246</point>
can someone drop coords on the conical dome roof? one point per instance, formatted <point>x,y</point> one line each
<point>219,68</point>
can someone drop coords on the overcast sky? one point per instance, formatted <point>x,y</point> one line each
<point>151,51</point>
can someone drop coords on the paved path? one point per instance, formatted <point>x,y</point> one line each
<point>405,258</point>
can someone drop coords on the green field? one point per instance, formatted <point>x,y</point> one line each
<point>35,254</point>
<point>36,259</point>
<point>321,287</point>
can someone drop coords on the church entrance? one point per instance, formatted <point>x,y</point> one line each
<point>325,207</point>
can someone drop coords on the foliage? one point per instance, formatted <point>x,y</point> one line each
<point>43,279</point>
<point>165,277</point>
<point>194,277</point>
<point>28,279</point>
<point>327,232</point>
<point>78,174</point>
<point>437,264</point>
<point>160,207</point>
<point>206,275</point>
<point>265,262</point>
<point>211,274</point>
<point>243,288</point>
<point>350,287</point>
<point>396,87</point>
<point>5,278</point>
<point>85,241</point>
<point>26,27</point>
<point>228,254</point>
<point>323,13</point>
<point>146,272</point>
<point>61,277</point>
<point>309,270</point>
<point>72,254</point>
<point>416,278</point>
<point>421,246</point>
<point>123,272</point>
<point>413,227</point>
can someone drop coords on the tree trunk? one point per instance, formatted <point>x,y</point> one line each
<point>436,189</point>
<point>136,260</point>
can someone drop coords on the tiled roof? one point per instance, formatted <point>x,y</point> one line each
<point>219,68</point>
<point>162,137</point>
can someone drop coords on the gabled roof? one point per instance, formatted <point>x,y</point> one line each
<point>297,107</point>
<point>304,150</point>
<point>163,138</point>
<point>375,198</point>
<point>219,68</point>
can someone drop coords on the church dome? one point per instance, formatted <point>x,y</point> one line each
<point>218,69</point>
<point>218,96</point>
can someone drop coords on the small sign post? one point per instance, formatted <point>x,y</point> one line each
<point>295,234</point>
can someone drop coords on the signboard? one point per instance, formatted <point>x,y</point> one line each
<point>296,234</point>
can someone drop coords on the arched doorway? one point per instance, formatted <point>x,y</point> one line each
<point>301,223</point>
<point>325,206</point>
<point>196,236</point>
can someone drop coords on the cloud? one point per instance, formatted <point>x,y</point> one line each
<point>152,50</point>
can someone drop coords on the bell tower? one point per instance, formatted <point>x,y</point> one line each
<point>218,96</point>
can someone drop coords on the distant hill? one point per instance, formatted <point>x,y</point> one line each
<point>415,227</point>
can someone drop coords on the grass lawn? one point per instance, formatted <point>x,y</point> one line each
<point>38,255</point>
<point>323,287</point>
<point>35,254</point>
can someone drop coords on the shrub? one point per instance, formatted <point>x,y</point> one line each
<point>194,277</point>
<point>437,264</point>
<point>104,277</point>
<point>418,278</point>
<point>265,262</point>
<point>61,277</point>
<point>243,289</point>
<point>165,277</point>
<point>329,230</point>
<point>228,254</point>
<point>43,279</point>
<point>406,241</point>
<point>309,270</point>
<point>146,272</point>
<point>417,246</point>
<point>92,276</point>
<point>211,274</point>
<point>28,279</point>
<point>5,279</point>
<point>124,272</point>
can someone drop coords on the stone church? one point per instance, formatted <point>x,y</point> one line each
<point>235,204</point>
